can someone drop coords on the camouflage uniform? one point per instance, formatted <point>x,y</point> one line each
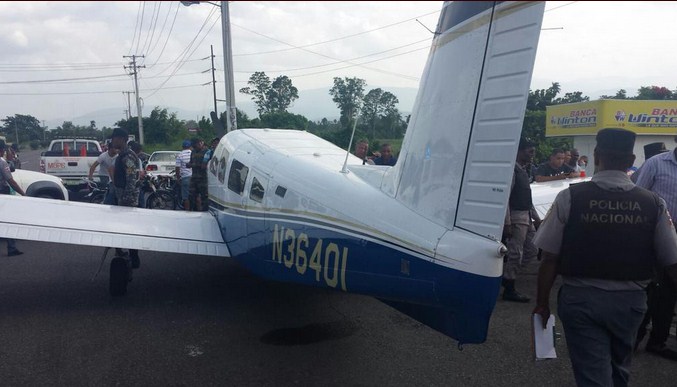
<point>127,168</point>
<point>198,181</point>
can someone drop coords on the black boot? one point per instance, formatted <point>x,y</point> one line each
<point>510,294</point>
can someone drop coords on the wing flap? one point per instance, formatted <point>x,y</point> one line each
<point>110,226</point>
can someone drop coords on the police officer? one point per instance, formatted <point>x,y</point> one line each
<point>7,181</point>
<point>520,224</point>
<point>605,237</point>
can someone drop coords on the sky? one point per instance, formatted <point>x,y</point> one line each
<point>64,60</point>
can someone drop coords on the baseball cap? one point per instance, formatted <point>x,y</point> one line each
<point>186,143</point>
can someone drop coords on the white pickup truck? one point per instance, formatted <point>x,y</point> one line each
<point>70,159</point>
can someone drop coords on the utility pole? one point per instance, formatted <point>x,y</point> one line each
<point>134,68</point>
<point>231,121</point>
<point>44,130</point>
<point>129,104</point>
<point>214,80</point>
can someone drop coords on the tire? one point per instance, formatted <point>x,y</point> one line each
<point>161,200</point>
<point>119,276</point>
<point>98,198</point>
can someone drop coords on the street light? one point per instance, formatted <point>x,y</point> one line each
<point>231,113</point>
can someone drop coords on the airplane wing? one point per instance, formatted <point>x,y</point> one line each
<point>110,226</point>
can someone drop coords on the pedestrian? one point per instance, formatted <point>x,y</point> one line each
<point>520,224</point>
<point>198,179</point>
<point>126,180</point>
<point>6,181</point>
<point>659,174</point>
<point>604,237</point>
<point>183,174</point>
<point>106,164</point>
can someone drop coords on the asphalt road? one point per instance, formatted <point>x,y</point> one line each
<point>194,321</point>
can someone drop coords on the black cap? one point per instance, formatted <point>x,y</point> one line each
<point>526,142</point>
<point>653,149</point>
<point>2,144</point>
<point>616,140</point>
<point>118,132</point>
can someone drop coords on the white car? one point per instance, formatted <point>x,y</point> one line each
<point>40,185</point>
<point>162,162</point>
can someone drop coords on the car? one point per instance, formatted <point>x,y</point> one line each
<point>40,185</point>
<point>162,162</point>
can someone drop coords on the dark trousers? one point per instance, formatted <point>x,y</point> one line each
<point>600,328</point>
<point>661,299</point>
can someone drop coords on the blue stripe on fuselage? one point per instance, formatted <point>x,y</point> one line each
<point>298,249</point>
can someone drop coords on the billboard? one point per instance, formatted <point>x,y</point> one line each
<point>586,118</point>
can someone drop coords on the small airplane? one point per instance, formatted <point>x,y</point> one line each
<point>422,236</point>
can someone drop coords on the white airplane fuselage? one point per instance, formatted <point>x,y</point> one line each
<point>298,218</point>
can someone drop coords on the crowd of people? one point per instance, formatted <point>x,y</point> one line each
<point>614,244</point>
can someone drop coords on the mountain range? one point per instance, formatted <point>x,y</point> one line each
<point>314,104</point>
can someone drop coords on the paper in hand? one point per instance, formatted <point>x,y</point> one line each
<point>544,339</point>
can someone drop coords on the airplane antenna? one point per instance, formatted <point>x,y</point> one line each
<point>345,163</point>
<point>429,30</point>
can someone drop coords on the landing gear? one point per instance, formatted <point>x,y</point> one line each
<point>120,275</point>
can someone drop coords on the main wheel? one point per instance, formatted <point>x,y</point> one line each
<point>119,276</point>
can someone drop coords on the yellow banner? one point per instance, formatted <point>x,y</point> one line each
<point>587,118</point>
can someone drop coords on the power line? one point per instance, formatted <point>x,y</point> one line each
<point>136,26</point>
<point>138,41</point>
<point>153,25</point>
<point>335,39</point>
<point>168,35</point>
<point>61,80</point>
<point>169,10</point>
<point>101,92</point>
<point>332,58</point>
<point>180,64</point>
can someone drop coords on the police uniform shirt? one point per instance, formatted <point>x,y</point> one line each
<point>550,233</point>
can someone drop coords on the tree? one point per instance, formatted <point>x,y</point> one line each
<point>379,109</point>
<point>541,98</point>
<point>270,97</point>
<point>160,127</point>
<point>620,94</point>
<point>348,94</point>
<point>283,120</point>
<point>260,84</point>
<point>281,94</point>
<point>655,92</point>
<point>26,126</point>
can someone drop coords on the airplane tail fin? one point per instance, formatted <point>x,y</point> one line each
<point>456,162</point>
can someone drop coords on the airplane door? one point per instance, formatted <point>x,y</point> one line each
<point>254,207</point>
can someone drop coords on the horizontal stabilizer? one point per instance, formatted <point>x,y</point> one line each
<point>110,226</point>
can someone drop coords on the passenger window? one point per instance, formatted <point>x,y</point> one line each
<point>237,177</point>
<point>256,192</point>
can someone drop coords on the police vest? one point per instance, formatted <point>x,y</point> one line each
<point>520,195</point>
<point>609,235</point>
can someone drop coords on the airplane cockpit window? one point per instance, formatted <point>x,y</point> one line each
<point>257,191</point>
<point>237,177</point>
